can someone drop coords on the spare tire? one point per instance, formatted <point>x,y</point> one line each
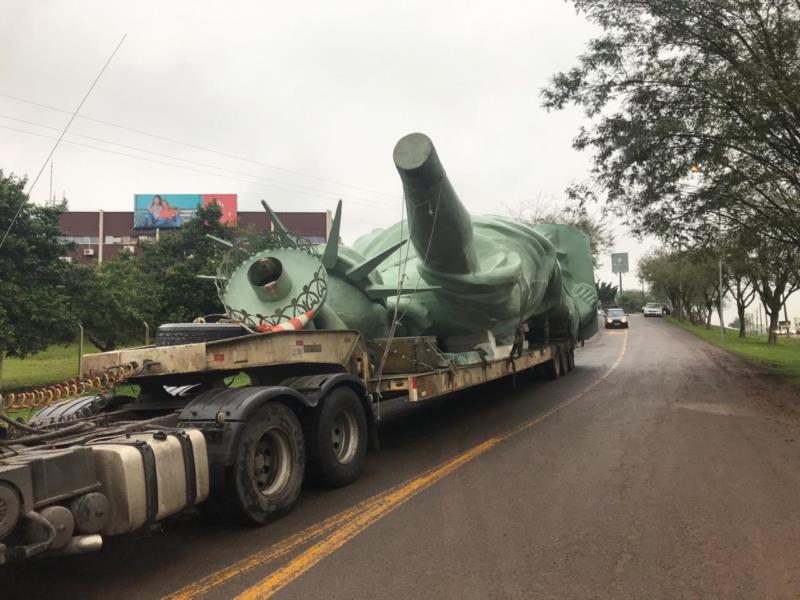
<point>174,334</point>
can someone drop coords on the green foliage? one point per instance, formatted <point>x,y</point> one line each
<point>113,301</point>
<point>575,215</point>
<point>689,278</point>
<point>633,300</point>
<point>673,83</point>
<point>117,298</point>
<point>770,267</point>
<point>172,265</point>
<point>42,298</point>
<point>34,307</point>
<point>606,293</point>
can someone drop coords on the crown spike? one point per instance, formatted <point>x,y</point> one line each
<point>276,222</point>
<point>331,254</point>
<point>360,271</point>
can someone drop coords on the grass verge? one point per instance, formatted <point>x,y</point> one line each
<point>782,358</point>
<point>57,363</point>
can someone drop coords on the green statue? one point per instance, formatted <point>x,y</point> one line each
<point>440,272</point>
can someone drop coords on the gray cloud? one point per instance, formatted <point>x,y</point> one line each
<point>317,87</point>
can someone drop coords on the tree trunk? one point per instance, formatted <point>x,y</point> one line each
<point>742,325</point>
<point>774,317</point>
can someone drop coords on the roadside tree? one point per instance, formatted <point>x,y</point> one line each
<point>113,301</point>
<point>737,256</point>
<point>668,84</point>
<point>774,272</point>
<point>171,267</point>
<point>606,293</point>
<point>576,215</point>
<point>34,306</point>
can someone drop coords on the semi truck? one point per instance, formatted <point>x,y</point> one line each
<point>288,383</point>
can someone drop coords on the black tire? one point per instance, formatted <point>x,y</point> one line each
<point>174,334</point>
<point>552,368</point>
<point>265,479</point>
<point>337,439</point>
<point>570,359</point>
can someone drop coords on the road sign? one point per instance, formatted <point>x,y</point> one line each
<point>619,262</point>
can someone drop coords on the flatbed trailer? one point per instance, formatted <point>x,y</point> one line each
<point>240,421</point>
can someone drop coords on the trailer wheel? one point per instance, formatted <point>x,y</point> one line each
<point>571,358</point>
<point>265,479</point>
<point>552,368</point>
<point>337,440</point>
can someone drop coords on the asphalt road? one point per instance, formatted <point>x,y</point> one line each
<point>660,468</point>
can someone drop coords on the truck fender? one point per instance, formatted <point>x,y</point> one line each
<point>222,414</point>
<point>239,404</point>
<point>316,387</point>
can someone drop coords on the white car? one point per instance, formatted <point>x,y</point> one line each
<point>653,309</point>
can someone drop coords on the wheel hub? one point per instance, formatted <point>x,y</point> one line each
<point>272,462</point>
<point>344,436</point>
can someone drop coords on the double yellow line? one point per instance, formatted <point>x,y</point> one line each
<point>344,526</point>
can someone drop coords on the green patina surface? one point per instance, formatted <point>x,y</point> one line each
<point>459,275</point>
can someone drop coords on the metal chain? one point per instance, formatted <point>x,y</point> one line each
<point>73,388</point>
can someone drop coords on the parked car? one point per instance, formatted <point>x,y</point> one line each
<point>654,309</point>
<point>616,317</point>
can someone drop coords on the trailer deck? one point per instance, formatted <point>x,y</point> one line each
<point>344,350</point>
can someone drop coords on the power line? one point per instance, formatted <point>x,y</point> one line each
<point>198,147</point>
<point>289,185</point>
<point>58,141</point>
<point>159,162</point>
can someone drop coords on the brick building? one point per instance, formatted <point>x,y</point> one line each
<point>86,228</point>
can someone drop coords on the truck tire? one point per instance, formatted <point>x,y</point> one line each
<point>571,359</point>
<point>337,439</point>
<point>174,334</point>
<point>265,479</point>
<point>552,368</point>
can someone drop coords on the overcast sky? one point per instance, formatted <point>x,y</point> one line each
<point>297,103</point>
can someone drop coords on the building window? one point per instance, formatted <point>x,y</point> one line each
<point>82,240</point>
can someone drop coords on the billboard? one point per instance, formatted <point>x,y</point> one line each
<point>170,211</point>
<point>228,204</point>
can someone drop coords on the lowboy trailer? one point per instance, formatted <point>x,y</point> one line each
<point>235,424</point>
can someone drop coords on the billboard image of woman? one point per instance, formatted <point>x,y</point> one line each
<point>170,211</point>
